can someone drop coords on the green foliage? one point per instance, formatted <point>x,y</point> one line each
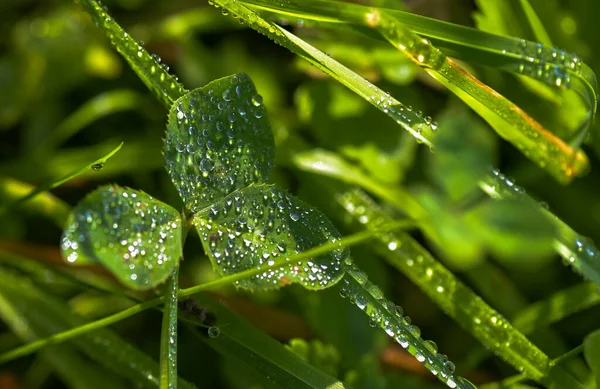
<point>267,193</point>
<point>135,236</point>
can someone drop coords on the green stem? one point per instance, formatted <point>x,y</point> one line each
<point>168,338</point>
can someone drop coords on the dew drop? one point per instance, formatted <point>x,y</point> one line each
<point>214,332</point>
<point>257,100</point>
<point>98,166</point>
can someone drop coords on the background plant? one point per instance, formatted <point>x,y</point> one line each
<point>439,192</point>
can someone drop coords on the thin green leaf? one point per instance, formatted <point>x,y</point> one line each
<point>138,238</point>
<point>96,108</point>
<point>591,351</point>
<point>168,337</point>
<point>540,33</point>
<point>453,297</point>
<point>389,317</point>
<point>218,140</point>
<point>96,165</point>
<point>63,359</point>
<point>576,250</point>
<point>148,67</point>
<point>557,307</point>
<point>102,345</point>
<point>507,119</point>
<point>277,365</point>
<point>225,281</point>
<point>44,204</point>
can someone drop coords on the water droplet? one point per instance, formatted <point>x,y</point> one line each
<point>98,166</point>
<point>214,332</point>
<point>257,100</point>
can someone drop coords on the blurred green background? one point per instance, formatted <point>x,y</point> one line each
<point>67,98</point>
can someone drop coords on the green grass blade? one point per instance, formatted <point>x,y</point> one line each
<point>421,127</point>
<point>96,165</point>
<point>577,251</point>
<point>279,367</point>
<point>44,204</point>
<point>104,346</point>
<point>540,145</point>
<point>540,33</point>
<point>591,351</point>
<point>385,314</point>
<point>453,297</point>
<point>225,281</point>
<point>557,307</point>
<point>163,85</point>
<point>465,43</point>
<point>63,359</point>
<point>168,337</point>
<point>94,109</point>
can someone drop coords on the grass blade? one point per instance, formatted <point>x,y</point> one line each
<point>96,165</point>
<point>168,337</point>
<point>44,204</point>
<point>453,297</point>
<point>540,33</point>
<point>551,153</point>
<point>281,368</point>
<point>578,251</point>
<point>385,314</point>
<point>104,346</point>
<point>96,108</point>
<point>557,307</point>
<point>63,359</point>
<point>225,281</point>
<point>165,87</point>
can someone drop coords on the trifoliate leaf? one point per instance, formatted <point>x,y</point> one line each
<point>218,140</point>
<point>133,235</point>
<point>254,226</point>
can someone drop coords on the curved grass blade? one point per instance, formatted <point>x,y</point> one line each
<point>557,307</point>
<point>96,165</point>
<point>572,247</point>
<point>225,281</point>
<point>421,127</point>
<point>168,337</point>
<point>591,351</point>
<point>64,359</point>
<point>40,307</point>
<point>453,297</point>
<point>540,145</point>
<point>279,367</point>
<point>105,104</point>
<point>165,87</point>
<point>137,238</point>
<point>465,43</point>
<point>44,204</point>
<point>577,251</point>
